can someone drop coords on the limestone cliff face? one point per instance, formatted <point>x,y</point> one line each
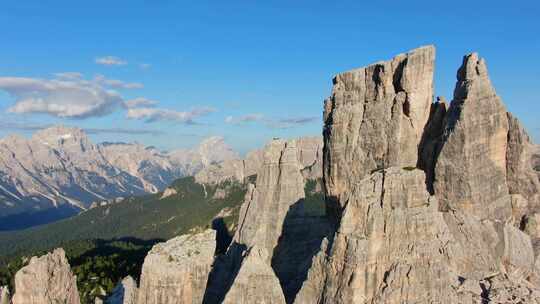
<point>397,241</point>
<point>262,265</point>
<point>256,282</point>
<point>46,280</point>
<point>280,185</point>
<point>375,119</point>
<point>176,271</point>
<point>277,193</point>
<point>470,170</point>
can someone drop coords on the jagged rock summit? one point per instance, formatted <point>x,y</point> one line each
<point>46,280</point>
<point>446,235</point>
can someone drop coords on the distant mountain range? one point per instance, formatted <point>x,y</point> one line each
<point>59,167</point>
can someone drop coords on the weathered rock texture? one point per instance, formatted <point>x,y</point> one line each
<point>46,280</point>
<point>470,170</point>
<point>309,150</point>
<point>4,295</point>
<point>260,265</point>
<point>397,241</point>
<point>124,293</point>
<point>177,271</point>
<point>280,185</point>
<point>256,282</point>
<point>375,119</point>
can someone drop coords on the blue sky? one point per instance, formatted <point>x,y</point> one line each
<point>243,70</point>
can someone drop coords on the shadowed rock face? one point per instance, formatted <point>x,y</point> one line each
<point>124,293</point>
<point>46,280</point>
<point>375,119</point>
<point>262,265</point>
<point>280,184</point>
<point>177,271</point>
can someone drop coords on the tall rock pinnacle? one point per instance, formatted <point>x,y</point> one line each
<point>470,170</point>
<point>375,118</point>
<point>396,241</point>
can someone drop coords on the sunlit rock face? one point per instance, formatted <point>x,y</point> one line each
<point>177,271</point>
<point>375,119</point>
<point>448,233</point>
<point>46,280</point>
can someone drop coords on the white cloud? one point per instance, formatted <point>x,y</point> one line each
<point>69,75</point>
<point>140,102</point>
<point>59,97</point>
<point>117,84</point>
<point>110,61</point>
<point>283,123</point>
<point>245,118</point>
<point>153,114</point>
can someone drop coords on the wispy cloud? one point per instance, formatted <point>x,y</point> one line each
<point>110,61</point>
<point>68,95</point>
<point>154,114</point>
<point>69,75</point>
<point>145,66</point>
<point>59,97</point>
<point>36,127</point>
<point>140,102</point>
<point>123,131</point>
<point>117,84</point>
<point>283,123</point>
<point>286,123</point>
<point>245,118</point>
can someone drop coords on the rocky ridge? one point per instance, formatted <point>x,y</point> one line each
<point>60,166</point>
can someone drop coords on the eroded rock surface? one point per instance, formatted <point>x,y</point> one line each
<point>256,282</point>
<point>46,280</point>
<point>375,119</point>
<point>470,170</point>
<point>309,150</point>
<point>177,271</point>
<point>261,265</point>
<point>397,241</point>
